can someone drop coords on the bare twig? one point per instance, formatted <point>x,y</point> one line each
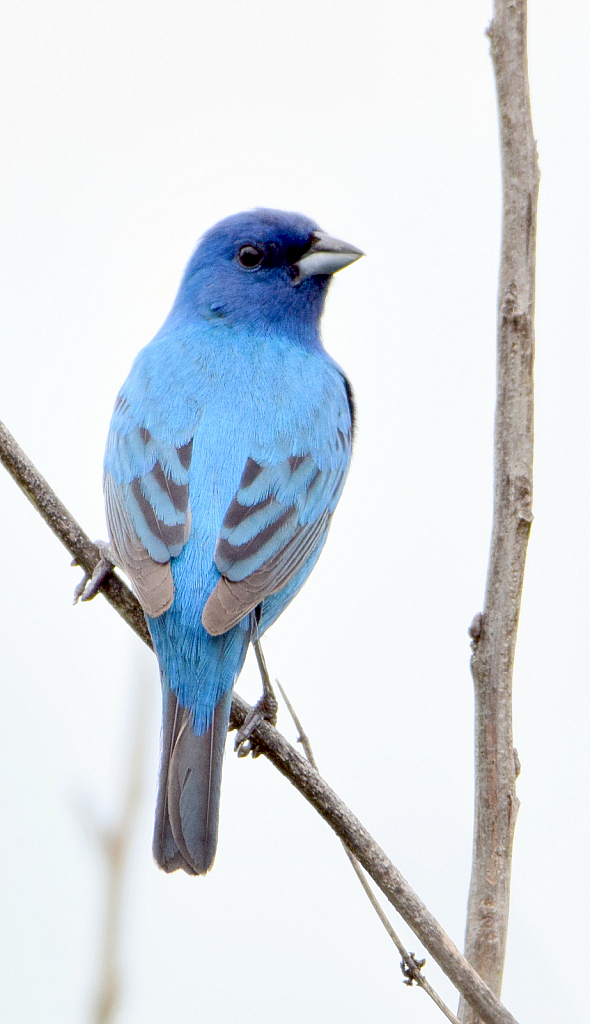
<point>411,968</point>
<point>494,633</point>
<point>290,763</point>
<point>302,738</point>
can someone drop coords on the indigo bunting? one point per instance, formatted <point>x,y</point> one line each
<point>227,453</point>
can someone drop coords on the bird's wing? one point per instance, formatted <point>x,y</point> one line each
<point>146,498</point>
<point>280,513</point>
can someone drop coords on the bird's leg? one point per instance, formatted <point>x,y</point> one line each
<point>268,704</point>
<point>265,710</point>
<point>89,585</point>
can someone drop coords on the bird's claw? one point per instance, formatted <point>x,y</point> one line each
<point>90,584</point>
<point>265,710</point>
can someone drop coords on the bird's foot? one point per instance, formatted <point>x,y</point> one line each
<point>89,585</point>
<point>265,710</point>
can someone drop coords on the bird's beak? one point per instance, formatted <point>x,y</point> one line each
<point>326,255</point>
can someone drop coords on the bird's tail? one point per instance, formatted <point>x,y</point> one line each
<point>187,811</point>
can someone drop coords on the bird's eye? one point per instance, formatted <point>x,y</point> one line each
<point>250,257</point>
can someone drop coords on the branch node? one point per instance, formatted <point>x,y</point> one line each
<point>508,306</point>
<point>410,968</point>
<point>475,629</point>
<point>523,498</point>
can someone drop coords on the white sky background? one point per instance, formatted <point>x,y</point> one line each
<point>129,129</point>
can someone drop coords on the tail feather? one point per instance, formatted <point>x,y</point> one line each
<point>187,812</point>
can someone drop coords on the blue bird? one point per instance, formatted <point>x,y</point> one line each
<point>227,453</point>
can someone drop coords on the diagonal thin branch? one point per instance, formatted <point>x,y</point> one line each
<point>288,761</point>
<point>411,968</point>
<point>494,633</point>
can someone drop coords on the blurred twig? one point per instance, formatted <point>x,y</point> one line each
<point>494,633</point>
<point>411,968</point>
<point>288,761</point>
<point>114,844</point>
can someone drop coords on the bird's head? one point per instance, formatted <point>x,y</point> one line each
<point>263,270</point>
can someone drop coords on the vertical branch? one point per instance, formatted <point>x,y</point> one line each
<point>494,632</point>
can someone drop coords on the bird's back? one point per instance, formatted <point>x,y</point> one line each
<point>254,398</point>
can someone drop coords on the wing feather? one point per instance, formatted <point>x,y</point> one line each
<point>147,507</point>
<point>278,517</point>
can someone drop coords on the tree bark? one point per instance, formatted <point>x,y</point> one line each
<point>494,632</point>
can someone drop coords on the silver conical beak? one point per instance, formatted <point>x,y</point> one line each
<point>326,255</point>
